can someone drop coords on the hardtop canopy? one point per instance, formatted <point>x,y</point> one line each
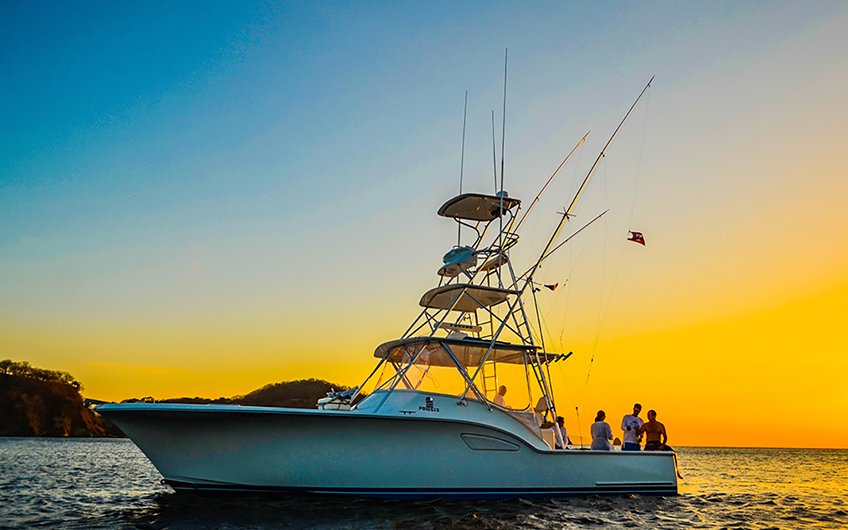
<point>468,351</point>
<point>477,207</point>
<point>464,297</point>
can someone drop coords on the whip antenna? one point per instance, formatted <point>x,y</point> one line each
<point>462,161</point>
<point>579,428</point>
<point>503,143</point>
<point>503,123</point>
<point>494,155</point>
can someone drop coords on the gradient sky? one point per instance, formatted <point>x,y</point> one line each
<point>200,198</point>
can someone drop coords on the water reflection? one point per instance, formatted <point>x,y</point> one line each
<point>197,510</point>
<point>110,484</point>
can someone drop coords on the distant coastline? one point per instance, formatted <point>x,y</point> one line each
<point>36,402</point>
<point>42,403</point>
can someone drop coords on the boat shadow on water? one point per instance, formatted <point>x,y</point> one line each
<point>265,510</point>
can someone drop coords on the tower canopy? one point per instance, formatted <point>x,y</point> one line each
<point>468,351</point>
<point>477,207</point>
<point>464,297</point>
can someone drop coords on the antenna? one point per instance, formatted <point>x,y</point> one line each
<point>494,156</point>
<point>503,124</point>
<point>462,162</point>
<point>503,142</point>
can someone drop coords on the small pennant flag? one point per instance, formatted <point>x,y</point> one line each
<point>552,286</point>
<point>636,237</point>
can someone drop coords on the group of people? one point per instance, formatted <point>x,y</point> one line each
<point>634,429</point>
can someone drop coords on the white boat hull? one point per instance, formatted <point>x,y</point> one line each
<point>411,454</point>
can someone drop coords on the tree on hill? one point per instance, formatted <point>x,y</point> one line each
<point>23,369</point>
<point>303,393</point>
<point>299,394</point>
<point>38,402</point>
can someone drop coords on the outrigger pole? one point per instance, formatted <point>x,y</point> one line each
<point>567,211</point>
<point>569,238</point>
<point>550,179</point>
<point>529,275</point>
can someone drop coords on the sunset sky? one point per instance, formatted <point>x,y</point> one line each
<point>200,198</point>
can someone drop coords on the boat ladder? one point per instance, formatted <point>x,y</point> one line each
<point>490,378</point>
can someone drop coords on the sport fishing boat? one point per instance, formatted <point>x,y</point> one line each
<point>431,425</point>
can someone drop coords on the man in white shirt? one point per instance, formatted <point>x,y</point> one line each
<point>499,397</point>
<point>630,425</point>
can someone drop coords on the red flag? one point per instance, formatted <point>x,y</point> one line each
<point>636,237</point>
<point>552,286</point>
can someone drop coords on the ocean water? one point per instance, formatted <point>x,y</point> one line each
<point>82,483</point>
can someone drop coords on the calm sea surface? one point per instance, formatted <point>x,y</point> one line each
<point>110,484</point>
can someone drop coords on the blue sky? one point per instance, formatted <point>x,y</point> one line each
<point>138,130</point>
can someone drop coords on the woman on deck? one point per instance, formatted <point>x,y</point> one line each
<point>601,433</point>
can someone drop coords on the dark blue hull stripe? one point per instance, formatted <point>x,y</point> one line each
<point>439,492</point>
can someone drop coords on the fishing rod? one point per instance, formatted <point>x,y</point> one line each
<point>529,275</point>
<point>569,238</point>
<point>536,303</point>
<point>550,179</point>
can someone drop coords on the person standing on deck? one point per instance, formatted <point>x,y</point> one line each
<point>562,440</point>
<point>630,425</point>
<point>601,433</point>
<point>499,397</point>
<point>655,434</point>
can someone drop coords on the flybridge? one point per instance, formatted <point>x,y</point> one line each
<point>477,305</point>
